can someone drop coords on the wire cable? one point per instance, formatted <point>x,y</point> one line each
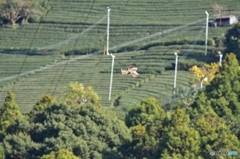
<point>72,38</point>
<point>96,64</point>
<point>34,36</point>
<point>70,56</point>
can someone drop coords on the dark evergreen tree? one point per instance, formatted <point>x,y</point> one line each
<point>232,40</point>
<point>85,130</point>
<point>146,123</point>
<point>61,154</point>
<point>180,139</point>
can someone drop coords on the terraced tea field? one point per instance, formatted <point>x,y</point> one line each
<point>129,20</point>
<point>142,32</point>
<point>95,71</point>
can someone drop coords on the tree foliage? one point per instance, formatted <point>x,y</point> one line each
<point>44,102</point>
<point>9,112</point>
<point>145,120</point>
<point>215,135</point>
<point>76,93</point>
<point>223,95</point>
<point>232,40</point>
<point>224,91</point>
<point>180,140</point>
<point>85,130</point>
<point>61,154</point>
<point>2,153</point>
<point>208,71</point>
<point>17,11</point>
<point>76,126</point>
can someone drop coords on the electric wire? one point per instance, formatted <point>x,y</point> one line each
<point>34,36</point>
<point>70,56</point>
<point>72,38</point>
<point>96,64</point>
<point>191,90</point>
<point>192,45</point>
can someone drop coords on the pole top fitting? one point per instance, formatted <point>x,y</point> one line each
<point>206,12</point>
<point>175,53</point>
<point>108,8</point>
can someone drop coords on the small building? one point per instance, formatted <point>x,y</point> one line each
<point>226,20</point>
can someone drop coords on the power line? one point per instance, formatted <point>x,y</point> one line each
<point>95,65</point>
<point>193,44</point>
<point>31,44</point>
<point>97,52</point>
<point>72,38</point>
<point>70,56</point>
<point>111,48</point>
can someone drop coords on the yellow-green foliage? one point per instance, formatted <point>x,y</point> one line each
<point>76,91</point>
<point>207,70</point>
<point>45,101</point>
<point>9,112</point>
<point>61,154</point>
<point>138,131</point>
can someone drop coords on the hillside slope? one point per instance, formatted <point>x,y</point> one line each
<point>142,32</point>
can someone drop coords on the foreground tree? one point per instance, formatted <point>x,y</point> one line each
<point>215,135</point>
<point>232,40</point>
<point>43,103</point>
<point>76,93</point>
<point>224,91</point>
<point>180,140</point>
<point>146,123</point>
<point>84,130</point>
<point>9,112</point>
<point>222,96</point>
<point>61,154</point>
<point>2,154</point>
<point>200,73</point>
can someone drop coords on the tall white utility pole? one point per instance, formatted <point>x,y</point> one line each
<point>110,87</point>
<point>206,33</point>
<point>220,58</point>
<point>107,50</point>
<point>108,23</point>
<point>203,79</point>
<point>175,76</point>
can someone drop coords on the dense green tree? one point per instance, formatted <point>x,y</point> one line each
<point>224,91</point>
<point>76,93</point>
<point>2,153</point>
<point>215,135</point>
<point>61,154</point>
<point>44,102</point>
<point>9,112</point>
<point>85,130</point>
<point>146,123</point>
<point>222,96</point>
<point>232,40</point>
<point>180,139</point>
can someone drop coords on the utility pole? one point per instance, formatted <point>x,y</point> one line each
<point>220,58</point>
<point>110,87</point>
<point>108,23</point>
<point>107,51</point>
<point>175,75</point>
<point>206,33</point>
<point>203,79</point>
